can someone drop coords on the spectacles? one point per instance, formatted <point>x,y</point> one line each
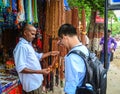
<point>59,41</point>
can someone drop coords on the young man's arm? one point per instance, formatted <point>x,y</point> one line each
<point>115,44</point>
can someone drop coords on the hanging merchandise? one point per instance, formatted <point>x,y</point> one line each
<point>25,8</point>
<point>1,19</point>
<point>39,39</point>
<point>6,3</point>
<point>51,75</point>
<point>28,11</point>
<point>1,6</point>
<point>66,5</point>
<point>34,8</point>
<point>4,6</point>
<point>14,6</point>
<point>14,10</point>
<point>21,12</point>
<point>55,62</point>
<point>8,18</point>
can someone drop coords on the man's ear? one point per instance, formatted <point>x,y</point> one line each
<point>64,36</point>
<point>24,33</point>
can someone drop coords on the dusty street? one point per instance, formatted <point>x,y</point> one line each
<point>113,84</point>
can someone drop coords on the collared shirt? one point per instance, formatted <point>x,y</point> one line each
<point>26,57</point>
<point>75,69</point>
<point>110,42</point>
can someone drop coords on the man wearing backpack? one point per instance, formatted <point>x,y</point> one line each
<point>75,68</point>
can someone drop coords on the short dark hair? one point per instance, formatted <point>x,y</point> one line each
<point>67,29</point>
<point>109,31</point>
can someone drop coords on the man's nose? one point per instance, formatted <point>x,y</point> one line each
<point>58,42</point>
<point>33,36</point>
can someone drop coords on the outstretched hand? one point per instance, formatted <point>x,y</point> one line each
<point>54,53</point>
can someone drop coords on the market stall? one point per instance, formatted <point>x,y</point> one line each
<point>13,15</point>
<point>10,84</point>
<point>47,16</point>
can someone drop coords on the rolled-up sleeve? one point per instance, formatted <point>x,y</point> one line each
<point>39,55</point>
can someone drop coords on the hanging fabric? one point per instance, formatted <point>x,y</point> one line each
<point>21,12</point>
<point>9,9</point>
<point>1,14</point>
<point>14,6</point>
<point>28,11</point>
<point>1,5</point>
<point>1,19</point>
<point>34,9</point>
<point>14,11</point>
<point>25,8</point>
<point>6,3</point>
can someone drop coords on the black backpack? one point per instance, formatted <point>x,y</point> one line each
<point>95,81</point>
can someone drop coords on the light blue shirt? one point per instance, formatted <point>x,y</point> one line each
<point>26,57</point>
<point>75,69</point>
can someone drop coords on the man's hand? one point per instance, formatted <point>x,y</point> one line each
<point>54,53</point>
<point>112,49</point>
<point>45,71</point>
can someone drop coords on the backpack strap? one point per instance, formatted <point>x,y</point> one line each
<point>84,57</point>
<point>78,52</point>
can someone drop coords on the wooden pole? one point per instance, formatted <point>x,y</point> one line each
<point>83,23</point>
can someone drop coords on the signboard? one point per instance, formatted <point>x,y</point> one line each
<point>114,2</point>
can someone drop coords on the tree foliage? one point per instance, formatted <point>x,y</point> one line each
<point>88,5</point>
<point>92,7</point>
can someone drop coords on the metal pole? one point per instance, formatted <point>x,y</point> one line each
<point>105,34</point>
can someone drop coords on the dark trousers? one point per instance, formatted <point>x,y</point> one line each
<point>37,91</point>
<point>102,59</point>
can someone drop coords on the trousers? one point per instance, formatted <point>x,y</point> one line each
<point>108,59</point>
<point>37,91</point>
